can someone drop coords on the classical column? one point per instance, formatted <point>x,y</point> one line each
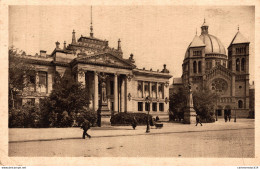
<point>122,107</point>
<point>37,82</point>
<point>143,89</point>
<point>157,94</point>
<point>115,93</point>
<point>95,91</point>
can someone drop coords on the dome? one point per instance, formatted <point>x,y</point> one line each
<point>213,44</point>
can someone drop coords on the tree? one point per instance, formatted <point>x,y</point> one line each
<point>17,69</point>
<point>66,102</point>
<point>178,102</point>
<point>204,102</point>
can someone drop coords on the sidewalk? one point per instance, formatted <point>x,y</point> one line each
<point>17,135</point>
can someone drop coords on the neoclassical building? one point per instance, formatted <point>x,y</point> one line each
<point>114,83</point>
<point>207,64</point>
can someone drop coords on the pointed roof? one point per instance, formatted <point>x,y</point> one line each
<point>204,23</point>
<point>197,42</point>
<point>239,38</point>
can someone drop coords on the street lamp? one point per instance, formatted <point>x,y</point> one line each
<point>235,119</point>
<point>148,101</point>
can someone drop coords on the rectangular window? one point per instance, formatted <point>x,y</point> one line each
<point>111,87</point>
<point>42,82</point>
<point>161,107</point>
<point>42,78</point>
<point>140,106</point>
<point>154,106</point>
<point>31,101</point>
<point>147,106</point>
<point>32,79</point>
<point>140,89</point>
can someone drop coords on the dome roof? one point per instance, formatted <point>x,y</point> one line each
<point>213,44</point>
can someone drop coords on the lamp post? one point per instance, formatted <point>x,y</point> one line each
<point>148,101</point>
<point>235,119</point>
<point>216,115</point>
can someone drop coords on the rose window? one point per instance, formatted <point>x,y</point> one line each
<point>219,85</point>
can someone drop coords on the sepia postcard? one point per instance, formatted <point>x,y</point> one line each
<point>133,83</point>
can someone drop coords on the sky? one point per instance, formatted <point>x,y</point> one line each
<point>156,35</point>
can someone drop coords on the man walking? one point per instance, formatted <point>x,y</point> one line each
<point>229,116</point>
<point>85,126</point>
<point>198,120</point>
<point>134,123</point>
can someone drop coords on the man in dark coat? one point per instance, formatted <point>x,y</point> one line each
<point>225,115</point>
<point>229,116</point>
<point>198,120</point>
<point>85,126</point>
<point>134,123</point>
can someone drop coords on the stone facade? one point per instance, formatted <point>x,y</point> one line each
<point>207,65</point>
<point>114,84</point>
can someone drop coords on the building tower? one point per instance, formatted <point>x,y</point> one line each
<point>238,63</point>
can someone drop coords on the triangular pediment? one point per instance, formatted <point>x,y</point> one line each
<point>219,71</point>
<point>106,59</point>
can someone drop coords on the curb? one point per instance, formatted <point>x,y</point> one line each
<point>122,135</point>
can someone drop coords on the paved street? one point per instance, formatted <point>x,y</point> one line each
<point>219,139</point>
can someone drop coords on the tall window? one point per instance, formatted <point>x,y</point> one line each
<point>194,67</point>
<point>237,65</point>
<point>111,87</point>
<point>160,91</point>
<point>154,106</point>
<point>240,104</point>
<point>146,89</point>
<point>42,81</point>
<point>199,66</point>
<point>161,108</point>
<point>140,89</point>
<point>243,62</point>
<point>140,106</point>
<point>153,90</point>
<point>31,81</point>
<point>147,107</point>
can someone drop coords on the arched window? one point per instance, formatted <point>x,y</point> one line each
<point>243,64</point>
<point>237,65</point>
<point>194,67</point>
<point>240,104</point>
<point>199,66</point>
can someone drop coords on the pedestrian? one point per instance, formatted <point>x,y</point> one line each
<point>157,118</point>
<point>85,126</point>
<point>229,116</point>
<point>134,123</point>
<point>225,116</point>
<point>198,120</point>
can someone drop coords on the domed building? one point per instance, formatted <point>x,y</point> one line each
<point>207,65</point>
